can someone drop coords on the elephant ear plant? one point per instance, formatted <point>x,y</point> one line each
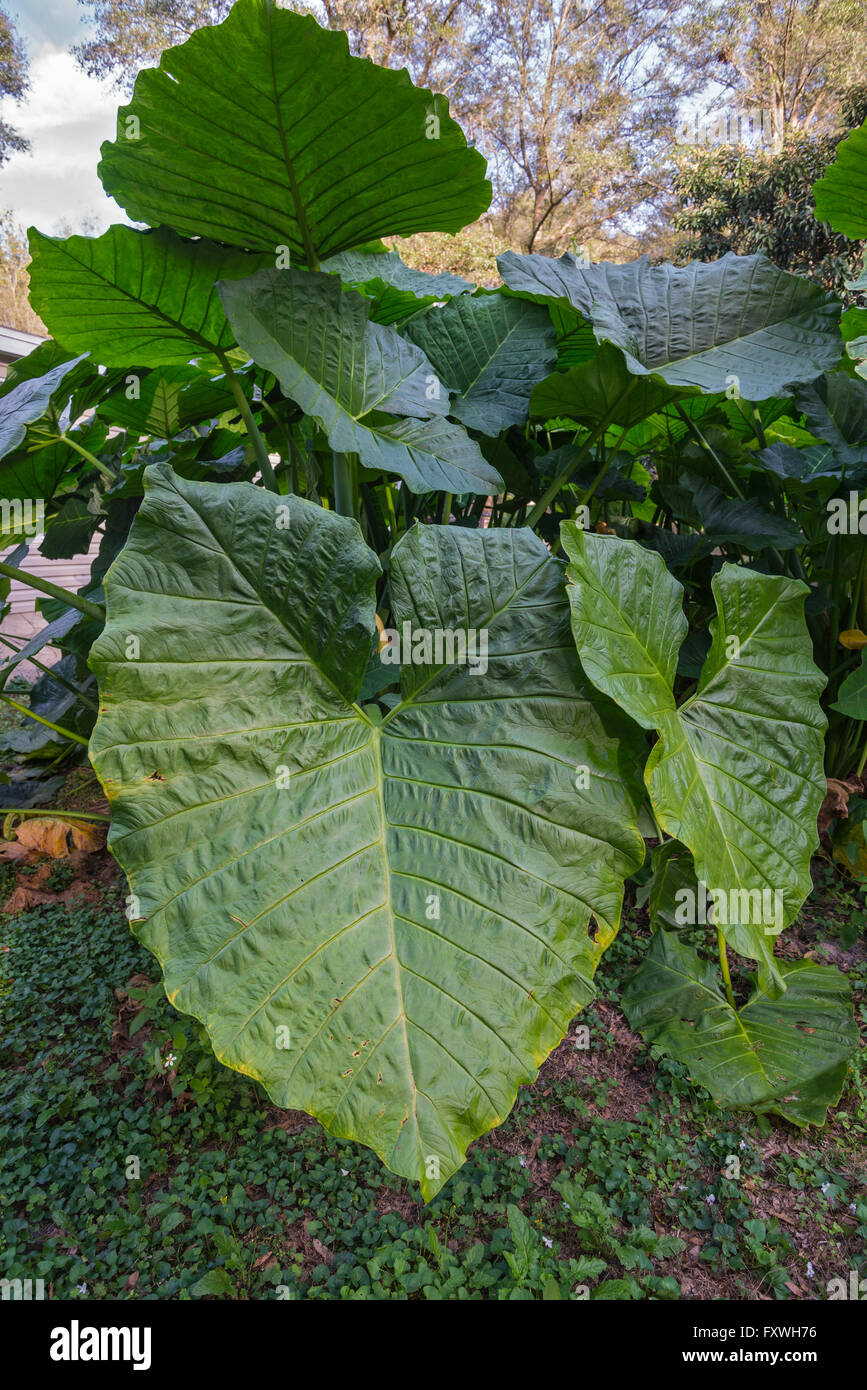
<point>380,765</point>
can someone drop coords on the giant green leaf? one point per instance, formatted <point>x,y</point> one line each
<point>490,351</point>
<point>841,196</point>
<point>787,1055</point>
<point>135,299</point>
<point>706,326</point>
<point>411,899</point>
<point>744,522</point>
<point>356,378</point>
<point>737,772</point>
<point>264,132</point>
<point>164,401</point>
<point>673,872</point>
<point>602,389</point>
<point>397,289</point>
<point>835,407</point>
<point>24,404</point>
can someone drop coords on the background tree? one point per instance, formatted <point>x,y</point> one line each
<point>15,310</point>
<point>733,198</point>
<point>131,34</point>
<point>576,104</point>
<point>14,82</point>
<point>794,59</point>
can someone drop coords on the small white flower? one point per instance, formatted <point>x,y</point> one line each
<point>567,1207</point>
<point>742,1144</point>
<point>169,1061</point>
<point>825,1186</point>
<point>546,1240</point>
<point>810,1271</point>
<point>522,1160</point>
<point>345,1172</point>
<point>710,1199</point>
<point>82,1288</point>
<point>851,1206</point>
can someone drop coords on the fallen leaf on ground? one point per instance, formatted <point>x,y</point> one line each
<point>51,836</point>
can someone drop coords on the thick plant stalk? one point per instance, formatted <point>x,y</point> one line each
<point>250,425</point>
<point>708,449</point>
<point>606,464</point>
<point>84,605</point>
<point>344,484</point>
<point>539,510</point>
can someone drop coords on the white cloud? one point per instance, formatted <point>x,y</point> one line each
<point>66,117</point>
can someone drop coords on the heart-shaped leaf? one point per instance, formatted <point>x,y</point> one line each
<point>263,132</point>
<point>788,1056</point>
<point>835,406</point>
<point>387,923</point>
<point>737,772</point>
<point>356,378</point>
<point>135,299</point>
<point>739,322</point>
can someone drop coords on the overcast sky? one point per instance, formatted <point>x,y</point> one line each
<point>66,117</point>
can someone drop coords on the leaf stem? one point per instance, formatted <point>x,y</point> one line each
<point>91,458</point>
<point>84,605</point>
<point>708,449</point>
<point>250,425</point>
<point>49,671</point>
<point>606,464</point>
<point>538,511</point>
<point>58,729</point>
<point>345,483</point>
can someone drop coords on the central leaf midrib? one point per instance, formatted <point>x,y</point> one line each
<point>496,613</point>
<point>295,191</point>
<point>376,739</point>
